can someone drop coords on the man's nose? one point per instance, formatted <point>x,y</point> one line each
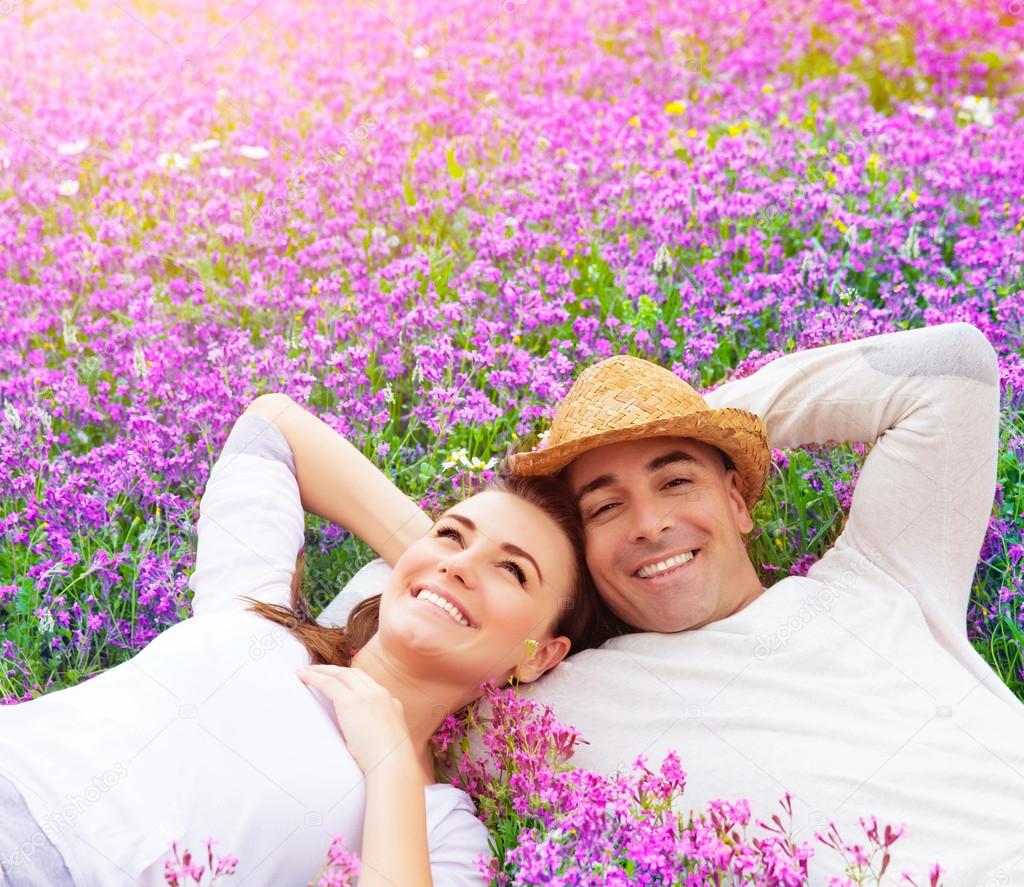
<point>650,520</point>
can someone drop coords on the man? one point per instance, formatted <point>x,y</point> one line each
<point>854,687</point>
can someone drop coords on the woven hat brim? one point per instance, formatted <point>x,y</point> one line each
<point>739,434</point>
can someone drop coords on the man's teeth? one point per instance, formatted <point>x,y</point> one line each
<point>449,608</point>
<point>662,566</point>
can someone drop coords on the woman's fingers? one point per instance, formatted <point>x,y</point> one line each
<point>328,684</point>
<point>354,678</point>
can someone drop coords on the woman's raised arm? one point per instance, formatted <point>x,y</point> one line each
<point>339,483</point>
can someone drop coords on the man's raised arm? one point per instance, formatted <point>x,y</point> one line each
<point>928,399</point>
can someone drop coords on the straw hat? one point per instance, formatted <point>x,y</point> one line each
<point>626,398</point>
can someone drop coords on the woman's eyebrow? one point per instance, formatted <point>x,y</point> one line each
<point>505,546</point>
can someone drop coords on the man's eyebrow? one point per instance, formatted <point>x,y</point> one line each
<point>669,458</point>
<point>658,462</point>
<point>505,546</point>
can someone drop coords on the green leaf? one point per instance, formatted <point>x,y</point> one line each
<point>408,193</point>
<point>454,170</point>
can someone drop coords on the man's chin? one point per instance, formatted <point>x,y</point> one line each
<point>666,619</point>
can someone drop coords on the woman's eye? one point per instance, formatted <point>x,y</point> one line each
<point>450,533</point>
<point>515,570</point>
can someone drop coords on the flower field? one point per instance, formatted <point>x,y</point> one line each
<point>420,220</point>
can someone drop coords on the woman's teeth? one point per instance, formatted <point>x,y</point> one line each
<point>450,609</point>
<point>663,566</point>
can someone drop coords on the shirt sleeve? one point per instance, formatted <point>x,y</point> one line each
<point>928,401</point>
<point>251,522</point>
<point>456,842</point>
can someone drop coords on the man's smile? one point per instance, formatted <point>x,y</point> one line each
<point>654,570</point>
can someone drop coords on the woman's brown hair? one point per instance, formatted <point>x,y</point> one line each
<point>583,617</point>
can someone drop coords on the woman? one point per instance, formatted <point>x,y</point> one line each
<point>222,728</point>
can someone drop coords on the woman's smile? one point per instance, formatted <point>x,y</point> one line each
<point>445,605</point>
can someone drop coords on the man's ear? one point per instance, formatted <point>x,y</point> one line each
<point>547,656</point>
<point>743,519</point>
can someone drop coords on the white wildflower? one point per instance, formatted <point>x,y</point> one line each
<point>139,361</point>
<point>67,188</point>
<point>662,259</point>
<point>458,459</point>
<point>44,419</point>
<point>12,417</point>
<point>172,161</point>
<point>389,394</point>
<point>46,621</point>
<point>254,152</point>
<point>420,52</point>
<point>923,111</point>
<point>977,109</point>
<point>204,146</point>
<point>69,330</point>
<point>71,149</point>
<point>910,249</point>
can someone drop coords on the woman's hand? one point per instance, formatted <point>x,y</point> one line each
<point>371,719</point>
<point>339,483</point>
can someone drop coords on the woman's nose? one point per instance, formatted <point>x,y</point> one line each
<point>461,568</point>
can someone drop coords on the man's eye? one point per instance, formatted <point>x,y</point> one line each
<point>604,508</point>
<point>678,480</point>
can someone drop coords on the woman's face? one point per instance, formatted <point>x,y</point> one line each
<point>505,568</point>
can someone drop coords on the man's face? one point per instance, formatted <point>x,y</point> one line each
<point>647,506</point>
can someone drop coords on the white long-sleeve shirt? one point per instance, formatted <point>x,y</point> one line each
<point>208,732</point>
<point>854,687</point>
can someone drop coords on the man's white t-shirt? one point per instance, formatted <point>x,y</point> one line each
<point>855,687</point>
<point>208,732</point>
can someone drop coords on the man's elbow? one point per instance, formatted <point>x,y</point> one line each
<point>969,354</point>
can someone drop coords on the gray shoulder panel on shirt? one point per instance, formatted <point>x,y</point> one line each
<point>256,436</point>
<point>958,349</point>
